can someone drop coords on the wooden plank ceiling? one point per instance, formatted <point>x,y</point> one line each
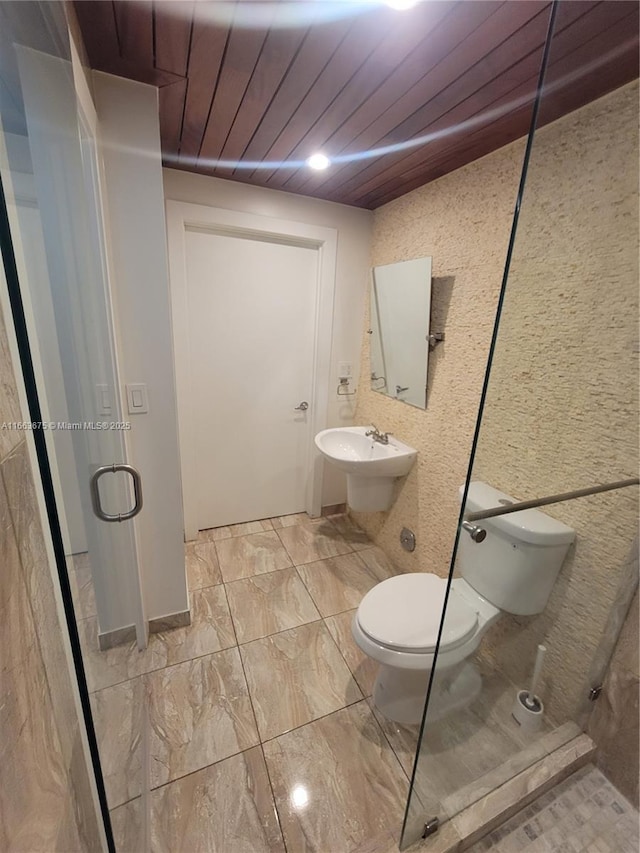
<point>434,87</point>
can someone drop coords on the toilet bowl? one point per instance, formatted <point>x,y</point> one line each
<point>397,623</point>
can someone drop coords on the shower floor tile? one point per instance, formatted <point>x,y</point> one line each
<point>583,813</point>
<point>245,556</point>
<point>295,677</point>
<point>338,786</point>
<point>266,604</point>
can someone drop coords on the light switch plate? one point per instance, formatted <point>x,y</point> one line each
<point>137,399</point>
<point>103,400</point>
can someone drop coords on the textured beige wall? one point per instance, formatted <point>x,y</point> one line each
<point>562,408</point>
<point>462,220</point>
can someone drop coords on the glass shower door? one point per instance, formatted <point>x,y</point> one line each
<point>558,413</point>
<point>49,175</point>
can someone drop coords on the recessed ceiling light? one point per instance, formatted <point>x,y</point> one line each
<point>401,4</point>
<point>318,162</point>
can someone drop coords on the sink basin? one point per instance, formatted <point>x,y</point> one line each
<point>371,467</point>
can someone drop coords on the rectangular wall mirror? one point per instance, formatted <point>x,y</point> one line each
<point>400,308</point>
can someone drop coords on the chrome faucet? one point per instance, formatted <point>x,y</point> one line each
<point>376,435</point>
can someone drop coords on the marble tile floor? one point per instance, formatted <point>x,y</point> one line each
<point>583,814</point>
<point>262,730</point>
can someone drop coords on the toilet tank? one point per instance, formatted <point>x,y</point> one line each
<point>517,564</point>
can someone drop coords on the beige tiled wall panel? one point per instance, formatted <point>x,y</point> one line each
<point>562,407</point>
<point>45,797</point>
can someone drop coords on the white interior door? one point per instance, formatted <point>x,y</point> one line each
<point>251,306</point>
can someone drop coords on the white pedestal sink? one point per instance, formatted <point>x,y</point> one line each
<point>371,467</point>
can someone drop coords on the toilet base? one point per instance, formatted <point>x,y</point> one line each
<point>399,694</point>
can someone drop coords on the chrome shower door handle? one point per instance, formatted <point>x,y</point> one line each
<point>95,491</point>
<point>302,407</point>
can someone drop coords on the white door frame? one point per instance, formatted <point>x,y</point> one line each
<point>182,216</point>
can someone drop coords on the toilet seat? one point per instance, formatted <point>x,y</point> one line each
<point>403,614</point>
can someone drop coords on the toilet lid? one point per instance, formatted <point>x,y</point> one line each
<point>405,612</point>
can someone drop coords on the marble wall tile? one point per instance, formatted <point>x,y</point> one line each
<point>363,668</point>
<point>245,556</point>
<point>308,542</point>
<point>614,728</point>
<point>117,715</point>
<point>21,497</point>
<point>9,403</point>
<point>340,583</point>
<point>246,528</point>
<point>337,784</point>
<point>202,564</point>
<point>33,777</point>
<point>126,824</point>
<point>227,807</point>
<point>200,713</point>
<point>266,604</point>
<point>296,676</point>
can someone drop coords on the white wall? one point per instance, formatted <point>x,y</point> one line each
<point>352,272</point>
<point>130,138</point>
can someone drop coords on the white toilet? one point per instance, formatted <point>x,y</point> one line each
<point>513,569</point>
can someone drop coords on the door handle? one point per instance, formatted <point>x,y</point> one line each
<point>302,407</point>
<point>95,491</point>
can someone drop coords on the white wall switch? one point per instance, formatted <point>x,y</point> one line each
<point>103,400</point>
<point>344,369</point>
<point>137,399</point>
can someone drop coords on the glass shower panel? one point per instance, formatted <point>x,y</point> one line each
<point>559,413</point>
<point>55,237</point>
<point>49,169</point>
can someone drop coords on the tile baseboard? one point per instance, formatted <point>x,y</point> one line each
<point>122,636</point>
<point>174,620</point>
<point>117,637</point>
<point>334,509</point>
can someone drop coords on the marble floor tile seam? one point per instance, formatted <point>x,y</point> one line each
<point>157,669</point>
<point>274,798</point>
<point>339,536</point>
<point>353,675</point>
<point>281,631</point>
<point>253,708</point>
<point>315,720</point>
